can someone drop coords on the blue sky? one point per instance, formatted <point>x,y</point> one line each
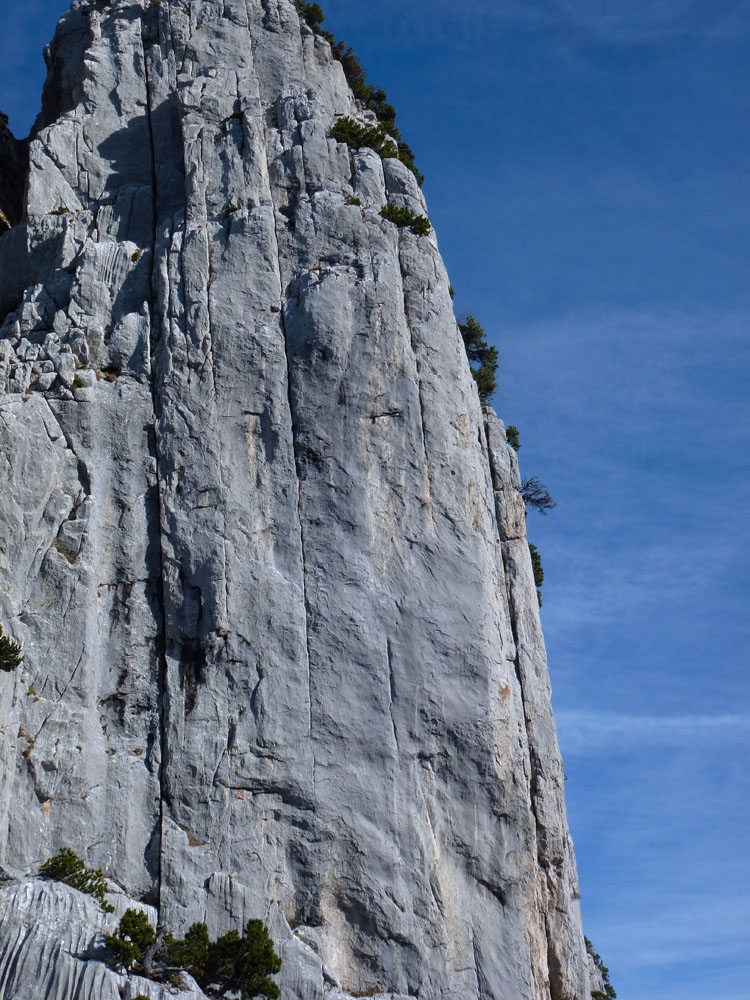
<point>588,176</point>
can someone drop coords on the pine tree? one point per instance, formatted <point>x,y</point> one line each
<point>134,937</point>
<point>11,655</point>
<point>67,867</point>
<point>245,964</point>
<point>482,358</point>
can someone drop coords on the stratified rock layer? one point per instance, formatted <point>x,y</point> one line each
<point>263,548</point>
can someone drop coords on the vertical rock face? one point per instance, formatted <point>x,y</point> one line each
<point>263,548</point>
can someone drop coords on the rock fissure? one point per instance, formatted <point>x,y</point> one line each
<point>418,378</point>
<point>157,528</point>
<point>282,304</point>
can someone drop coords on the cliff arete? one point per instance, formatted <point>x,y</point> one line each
<point>261,544</point>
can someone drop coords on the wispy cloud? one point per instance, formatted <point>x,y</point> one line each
<point>590,733</point>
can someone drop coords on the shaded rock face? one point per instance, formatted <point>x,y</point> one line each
<point>263,548</point>
<point>13,163</point>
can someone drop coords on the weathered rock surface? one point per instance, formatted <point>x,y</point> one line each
<point>263,548</point>
<point>52,945</point>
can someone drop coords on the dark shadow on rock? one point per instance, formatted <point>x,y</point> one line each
<point>15,270</point>
<point>14,166</point>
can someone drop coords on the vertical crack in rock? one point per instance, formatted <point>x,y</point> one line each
<point>295,448</point>
<point>161,637</point>
<point>420,391</point>
<point>391,690</point>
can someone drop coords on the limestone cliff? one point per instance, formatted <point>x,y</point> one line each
<point>263,548</point>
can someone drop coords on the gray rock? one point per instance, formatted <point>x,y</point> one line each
<point>282,647</point>
<point>53,946</point>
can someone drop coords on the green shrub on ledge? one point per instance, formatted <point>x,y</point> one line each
<point>512,437</point>
<point>536,565</point>
<point>404,217</point>
<point>190,952</point>
<point>11,655</point>
<point>358,136</point>
<point>134,937</point>
<point>373,98</point>
<point>482,358</point>
<point>67,867</point>
<point>244,964</point>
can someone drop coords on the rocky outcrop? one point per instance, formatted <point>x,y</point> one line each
<point>52,945</point>
<point>263,548</point>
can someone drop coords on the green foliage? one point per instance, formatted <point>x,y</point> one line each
<point>373,98</point>
<point>536,565</point>
<point>357,136</point>
<point>134,936</point>
<point>609,992</point>
<point>190,952</point>
<point>403,217</point>
<point>11,655</point>
<point>244,964</point>
<point>240,964</point>
<point>511,436</point>
<point>482,358</point>
<point>311,14</point>
<point>67,867</point>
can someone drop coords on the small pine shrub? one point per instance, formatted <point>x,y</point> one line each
<point>244,964</point>
<point>134,936</point>
<point>11,654</point>
<point>373,98</point>
<point>238,964</point>
<point>311,14</point>
<point>404,217</point>
<point>67,867</point>
<point>536,565</point>
<point>511,436</point>
<point>358,136</point>
<point>190,952</point>
<point>482,358</point>
<point>609,991</point>
<point>377,137</point>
